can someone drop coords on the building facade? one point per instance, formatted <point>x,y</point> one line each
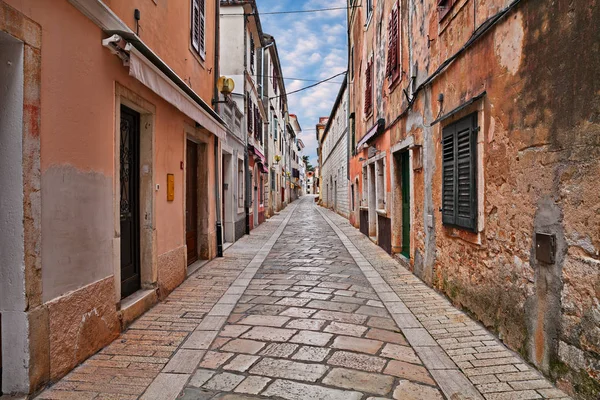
<point>335,156</point>
<point>472,157</point>
<point>275,102</point>
<point>241,41</point>
<point>110,154</point>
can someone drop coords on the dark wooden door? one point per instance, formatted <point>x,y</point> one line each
<point>404,165</point>
<point>191,202</point>
<point>130,201</point>
<point>364,222</point>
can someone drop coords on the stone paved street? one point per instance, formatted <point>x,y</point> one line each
<point>304,308</point>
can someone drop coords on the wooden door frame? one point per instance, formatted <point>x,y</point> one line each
<point>147,218</point>
<point>202,139</point>
<point>133,283</point>
<point>195,204</point>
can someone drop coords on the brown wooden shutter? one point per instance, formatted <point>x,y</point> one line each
<point>369,88</point>
<point>393,67</point>
<point>249,112</point>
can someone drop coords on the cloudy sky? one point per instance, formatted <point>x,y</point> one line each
<point>312,47</point>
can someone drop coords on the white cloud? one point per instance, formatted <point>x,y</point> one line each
<point>312,46</point>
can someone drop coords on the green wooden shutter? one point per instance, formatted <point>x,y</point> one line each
<point>448,175</point>
<point>459,173</point>
<point>466,163</point>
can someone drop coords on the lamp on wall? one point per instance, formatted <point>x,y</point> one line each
<point>225,86</point>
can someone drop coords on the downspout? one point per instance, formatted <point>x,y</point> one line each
<point>246,155</point>
<point>216,106</point>
<point>350,68</point>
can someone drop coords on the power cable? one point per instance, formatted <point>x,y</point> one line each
<point>296,11</point>
<point>312,86</point>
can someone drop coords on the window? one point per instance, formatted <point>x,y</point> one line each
<point>369,89</point>
<point>240,194</point>
<point>352,197</point>
<point>444,7</point>
<point>352,63</point>
<point>252,51</point>
<point>353,133</point>
<point>459,169</point>
<point>198,27</point>
<point>393,60</point>
<point>380,184</point>
<point>249,112</point>
<point>272,180</point>
<point>275,127</point>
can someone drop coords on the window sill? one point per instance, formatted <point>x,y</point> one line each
<point>201,60</point>
<point>463,234</point>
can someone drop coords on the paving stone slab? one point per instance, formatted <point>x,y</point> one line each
<point>278,368</point>
<point>361,381</point>
<point>290,390</point>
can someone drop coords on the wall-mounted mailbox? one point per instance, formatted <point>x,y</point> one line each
<point>170,187</point>
<point>545,247</point>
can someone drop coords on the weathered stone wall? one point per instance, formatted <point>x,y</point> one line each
<point>540,141</point>
<point>538,69</point>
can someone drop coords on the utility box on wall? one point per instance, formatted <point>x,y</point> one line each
<point>545,248</point>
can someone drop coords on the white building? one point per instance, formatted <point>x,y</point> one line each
<point>241,39</point>
<point>274,98</point>
<point>334,156</point>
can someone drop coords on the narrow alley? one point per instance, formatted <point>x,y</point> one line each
<point>316,312</point>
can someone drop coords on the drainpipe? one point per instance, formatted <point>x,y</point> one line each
<point>216,95</point>
<point>248,191</point>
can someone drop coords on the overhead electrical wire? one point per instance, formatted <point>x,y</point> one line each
<point>311,86</point>
<point>297,11</point>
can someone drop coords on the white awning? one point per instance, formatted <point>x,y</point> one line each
<point>146,72</point>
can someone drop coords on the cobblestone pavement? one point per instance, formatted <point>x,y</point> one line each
<point>304,308</point>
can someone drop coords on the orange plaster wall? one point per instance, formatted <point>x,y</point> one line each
<point>78,111</point>
<point>165,26</point>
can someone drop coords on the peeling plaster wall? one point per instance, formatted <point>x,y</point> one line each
<point>539,156</point>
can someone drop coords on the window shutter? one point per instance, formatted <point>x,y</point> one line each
<point>369,88</point>
<point>196,25</point>
<point>251,53</point>
<point>466,215</point>
<point>448,183</point>
<point>249,112</point>
<point>202,28</point>
<point>459,169</point>
<point>393,67</point>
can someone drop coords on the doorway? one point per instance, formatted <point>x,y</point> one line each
<point>255,200</point>
<point>402,204</point>
<point>227,199</point>
<point>191,202</point>
<point>372,202</point>
<point>130,201</point>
